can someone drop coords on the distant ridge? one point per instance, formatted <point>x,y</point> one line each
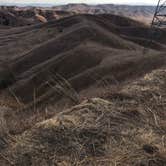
<point>140,13</point>
<point>59,4</point>
<point>27,4</point>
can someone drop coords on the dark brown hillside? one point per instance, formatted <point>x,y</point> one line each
<point>81,91</point>
<point>81,49</point>
<point>77,47</point>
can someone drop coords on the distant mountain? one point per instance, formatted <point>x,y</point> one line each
<point>21,16</point>
<point>142,13</point>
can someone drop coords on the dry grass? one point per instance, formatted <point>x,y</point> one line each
<point>21,117</point>
<point>62,86</point>
<point>127,128</point>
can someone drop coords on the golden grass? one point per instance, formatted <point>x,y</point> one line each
<point>118,131</point>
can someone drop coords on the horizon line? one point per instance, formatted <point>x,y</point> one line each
<point>60,4</point>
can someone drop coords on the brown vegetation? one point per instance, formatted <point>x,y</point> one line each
<point>128,127</point>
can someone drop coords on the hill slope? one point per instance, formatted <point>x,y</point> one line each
<point>76,48</point>
<point>83,90</point>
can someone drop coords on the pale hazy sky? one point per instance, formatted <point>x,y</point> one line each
<point>83,1</point>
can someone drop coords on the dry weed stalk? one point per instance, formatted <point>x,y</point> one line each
<point>63,87</point>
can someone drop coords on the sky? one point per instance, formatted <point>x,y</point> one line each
<point>139,2</point>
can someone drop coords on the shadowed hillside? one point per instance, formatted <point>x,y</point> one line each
<point>76,48</point>
<point>83,90</point>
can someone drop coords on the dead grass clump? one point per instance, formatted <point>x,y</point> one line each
<point>62,86</point>
<point>71,136</point>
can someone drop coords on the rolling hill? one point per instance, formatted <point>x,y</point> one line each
<point>77,47</point>
<point>83,90</point>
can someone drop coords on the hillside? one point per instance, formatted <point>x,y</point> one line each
<point>90,44</point>
<point>83,90</point>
